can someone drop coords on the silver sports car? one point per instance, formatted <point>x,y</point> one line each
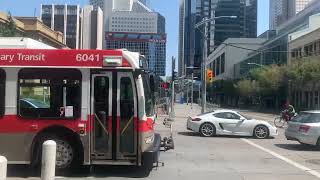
<point>229,122</point>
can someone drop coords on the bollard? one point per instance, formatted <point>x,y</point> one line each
<point>48,164</point>
<point>3,168</point>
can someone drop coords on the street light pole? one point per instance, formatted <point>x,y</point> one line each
<point>191,90</point>
<point>205,21</point>
<point>204,64</point>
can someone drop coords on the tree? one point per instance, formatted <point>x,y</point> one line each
<point>246,88</point>
<point>269,79</point>
<point>304,72</point>
<point>9,29</point>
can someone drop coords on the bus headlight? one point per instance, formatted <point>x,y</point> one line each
<point>149,140</point>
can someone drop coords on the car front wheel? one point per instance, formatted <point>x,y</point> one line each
<point>207,130</point>
<point>261,132</point>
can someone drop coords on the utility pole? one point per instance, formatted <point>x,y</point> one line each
<point>192,89</point>
<point>172,114</point>
<point>187,92</point>
<point>204,65</point>
<point>205,21</point>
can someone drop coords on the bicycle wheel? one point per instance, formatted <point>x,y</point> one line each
<point>279,122</point>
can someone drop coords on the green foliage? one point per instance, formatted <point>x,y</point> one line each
<point>246,88</point>
<point>304,71</point>
<point>269,79</point>
<point>8,30</point>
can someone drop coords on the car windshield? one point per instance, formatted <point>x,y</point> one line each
<point>306,117</point>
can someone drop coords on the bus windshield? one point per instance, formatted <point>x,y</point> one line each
<point>149,101</point>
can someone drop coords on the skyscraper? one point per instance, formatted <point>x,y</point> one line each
<point>193,11</point>
<point>130,24</point>
<point>92,28</point>
<point>244,26</point>
<point>97,3</point>
<point>100,3</point>
<point>66,19</point>
<point>283,10</point>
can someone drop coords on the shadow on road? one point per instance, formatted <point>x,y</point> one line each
<point>23,171</point>
<point>298,147</point>
<point>188,133</point>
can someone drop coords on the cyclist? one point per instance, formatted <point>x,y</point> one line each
<point>289,112</point>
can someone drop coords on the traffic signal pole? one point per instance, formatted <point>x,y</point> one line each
<point>205,54</point>
<point>172,114</point>
<point>204,65</point>
<point>192,89</point>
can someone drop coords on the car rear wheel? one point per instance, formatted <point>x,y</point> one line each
<point>207,130</point>
<point>261,132</point>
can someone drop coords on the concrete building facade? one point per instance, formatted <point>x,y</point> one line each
<point>97,3</point>
<point>131,25</point>
<point>305,44</point>
<point>92,28</point>
<point>275,49</point>
<point>224,58</point>
<point>152,46</point>
<point>34,28</point>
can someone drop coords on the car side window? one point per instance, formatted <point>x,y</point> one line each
<point>230,115</point>
<point>220,115</point>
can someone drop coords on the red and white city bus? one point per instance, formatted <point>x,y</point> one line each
<point>96,104</point>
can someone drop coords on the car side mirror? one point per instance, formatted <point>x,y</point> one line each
<point>242,119</point>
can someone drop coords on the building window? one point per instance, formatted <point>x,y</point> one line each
<point>49,93</point>
<point>300,52</point>
<point>2,92</point>
<point>218,66</point>
<point>222,63</point>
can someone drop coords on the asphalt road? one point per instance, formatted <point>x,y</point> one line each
<point>219,158</point>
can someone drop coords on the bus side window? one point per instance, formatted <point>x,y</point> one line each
<point>49,93</point>
<point>2,92</point>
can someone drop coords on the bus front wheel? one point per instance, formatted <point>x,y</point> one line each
<point>66,154</point>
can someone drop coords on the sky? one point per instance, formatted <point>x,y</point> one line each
<point>168,8</point>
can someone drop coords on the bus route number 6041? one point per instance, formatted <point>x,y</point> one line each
<point>87,57</point>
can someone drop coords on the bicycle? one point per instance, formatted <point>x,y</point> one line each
<point>282,120</point>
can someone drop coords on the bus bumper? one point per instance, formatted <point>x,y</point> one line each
<point>152,155</point>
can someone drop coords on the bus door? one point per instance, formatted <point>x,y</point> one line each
<point>114,107</point>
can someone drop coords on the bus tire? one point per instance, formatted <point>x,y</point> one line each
<point>67,156</point>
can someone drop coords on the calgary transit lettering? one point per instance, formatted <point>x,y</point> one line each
<point>22,57</point>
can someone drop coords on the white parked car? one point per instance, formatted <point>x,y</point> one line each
<point>228,122</point>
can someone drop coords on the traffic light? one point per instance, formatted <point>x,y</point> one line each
<point>210,76</point>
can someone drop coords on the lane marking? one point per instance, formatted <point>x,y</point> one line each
<point>289,161</point>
